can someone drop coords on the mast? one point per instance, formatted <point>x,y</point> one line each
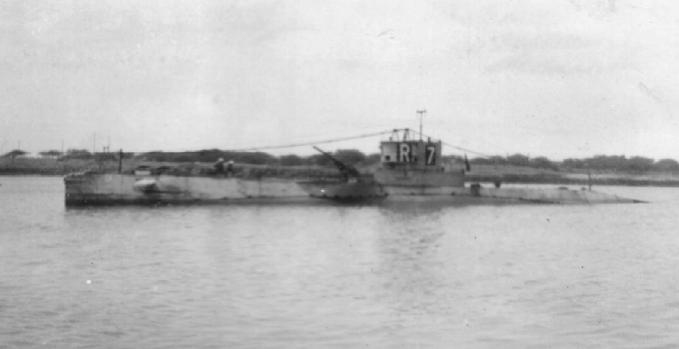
<point>421,112</point>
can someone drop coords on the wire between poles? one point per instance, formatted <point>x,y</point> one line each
<point>457,147</point>
<point>341,139</point>
<point>302,144</point>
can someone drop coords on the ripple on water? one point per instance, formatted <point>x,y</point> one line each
<point>400,277</point>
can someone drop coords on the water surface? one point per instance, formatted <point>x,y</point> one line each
<point>403,276</point>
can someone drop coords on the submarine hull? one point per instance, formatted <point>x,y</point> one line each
<point>94,189</point>
<point>344,191</point>
<point>86,189</point>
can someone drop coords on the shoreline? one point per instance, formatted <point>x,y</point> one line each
<point>571,178</point>
<point>628,182</point>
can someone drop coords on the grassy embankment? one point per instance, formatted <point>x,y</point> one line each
<point>518,174</point>
<point>479,173</point>
<point>53,167</point>
<point>48,167</point>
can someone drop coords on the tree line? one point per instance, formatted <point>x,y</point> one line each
<point>615,163</point>
<point>348,156</point>
<point>636,164</point>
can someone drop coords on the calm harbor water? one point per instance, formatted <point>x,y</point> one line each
<point>404,276</point>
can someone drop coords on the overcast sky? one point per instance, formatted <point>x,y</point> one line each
<point>556,78</point>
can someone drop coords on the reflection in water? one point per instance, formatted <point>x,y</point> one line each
<point>410,263</point>
<point>405,275</point>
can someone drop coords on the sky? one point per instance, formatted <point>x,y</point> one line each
<point>571,78</point>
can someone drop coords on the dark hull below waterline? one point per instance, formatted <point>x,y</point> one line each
<point>107,200</point>
<point>344,191</point>
<point>388,201</point>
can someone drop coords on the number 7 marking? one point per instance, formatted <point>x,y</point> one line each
<point>431,150</point>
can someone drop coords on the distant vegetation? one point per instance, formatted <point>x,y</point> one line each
<point>14,154</point>
<point>635,164</point>
<point>57,162</point>
<point>348,156</point>
<point>614,163</point>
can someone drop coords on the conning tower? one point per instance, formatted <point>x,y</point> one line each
<point>414,165</point>
<point>403,152</point>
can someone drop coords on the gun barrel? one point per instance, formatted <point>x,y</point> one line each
<point>347,170</point>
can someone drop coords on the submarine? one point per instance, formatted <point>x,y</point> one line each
<point>410,170</point>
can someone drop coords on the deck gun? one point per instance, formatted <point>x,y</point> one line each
<point>347,171</point>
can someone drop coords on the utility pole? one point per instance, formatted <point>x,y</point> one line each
<point>421,113</point>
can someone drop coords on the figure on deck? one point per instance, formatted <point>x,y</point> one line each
<point>229,168</point>
<point>219,166</point>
